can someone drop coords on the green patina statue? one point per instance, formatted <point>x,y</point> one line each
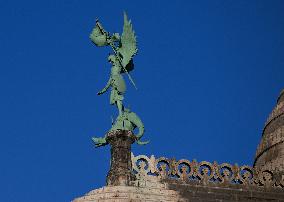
<point>117,84</point>
<point>124,48</point>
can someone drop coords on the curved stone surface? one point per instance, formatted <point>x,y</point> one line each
<point>270,151</point>
<point>130,194</point>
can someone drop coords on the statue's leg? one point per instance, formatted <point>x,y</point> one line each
<point>119,106</point>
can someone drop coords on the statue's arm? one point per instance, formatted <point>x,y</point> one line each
<point>106,87</point>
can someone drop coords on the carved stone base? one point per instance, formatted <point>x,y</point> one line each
<point>120,172</point>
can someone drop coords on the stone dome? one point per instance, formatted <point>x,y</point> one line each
<point>270,151</point>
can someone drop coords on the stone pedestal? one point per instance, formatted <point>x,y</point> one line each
<point>120,173</point>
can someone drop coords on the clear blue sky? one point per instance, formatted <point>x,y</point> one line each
<point>208,74</point>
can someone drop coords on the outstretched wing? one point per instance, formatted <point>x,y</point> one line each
<point>128,44</point>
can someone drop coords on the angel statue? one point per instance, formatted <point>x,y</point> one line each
<point>124,49</point>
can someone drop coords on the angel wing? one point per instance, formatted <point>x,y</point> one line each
<point>128,44</point>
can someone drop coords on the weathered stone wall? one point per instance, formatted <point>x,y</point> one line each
<point>214,193</point>
<point>177,191</point>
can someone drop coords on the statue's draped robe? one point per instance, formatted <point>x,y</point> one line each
<point>118,88</point>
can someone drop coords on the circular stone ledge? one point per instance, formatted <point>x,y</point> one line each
<point>130,194</point>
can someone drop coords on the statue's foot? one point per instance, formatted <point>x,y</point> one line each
<point>99,141</point>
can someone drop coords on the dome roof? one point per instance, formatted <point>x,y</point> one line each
<point>281,96</point>
<point>270,151</point>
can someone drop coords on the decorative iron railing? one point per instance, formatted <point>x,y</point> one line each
<point>205,172</point>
